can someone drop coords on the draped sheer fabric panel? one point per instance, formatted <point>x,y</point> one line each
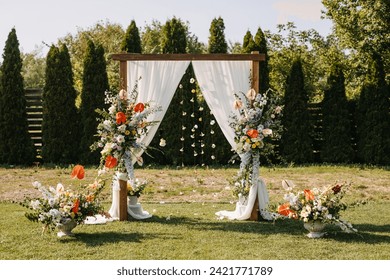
<point>159,80</point>
<point>218,81</point>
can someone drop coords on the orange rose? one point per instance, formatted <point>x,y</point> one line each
<point>139,107</point>
<point>76,205</point>
<point>120,118</point>
<point>308,195</point>
<point>252,133</point>
<point>78,171</point>
<point>110,162</point>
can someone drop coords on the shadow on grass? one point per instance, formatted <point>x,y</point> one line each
<point>366,234</point>
<point>100,238</point>
<point>278,227</point>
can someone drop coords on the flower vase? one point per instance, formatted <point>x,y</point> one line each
<point>315,229</point>
<point>132,200</point>
<point>65,228</point>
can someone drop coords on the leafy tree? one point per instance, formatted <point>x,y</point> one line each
<point>106,34</point>
<point>16,146</point>
<point>337,126</point>
<point>151,37</point>
<point>174,37</point>
<point>296,143</point>
<point>217,41</point>
<point>373,116</point>
<point>33,69</point>
<point>60,126</point>
<point>132,41</point>
<point>95,83</point>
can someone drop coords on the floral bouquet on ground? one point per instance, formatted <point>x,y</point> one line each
<point>121,128</point>
<point>255,126</point>
<point>136,187</point>
<point>58,205</point>
<point>316,204</point>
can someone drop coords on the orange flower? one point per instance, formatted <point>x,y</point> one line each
<point>285,210</point>
<point>90,198</point>
<point>110,162</point>
<point>252,133</point>
<point>139,107</point>
<point>120,118</point>
<point>78,171</point>
<point>308,195</point>
<point>76,205</point>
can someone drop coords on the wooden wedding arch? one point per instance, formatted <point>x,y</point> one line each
<point>123,58</point>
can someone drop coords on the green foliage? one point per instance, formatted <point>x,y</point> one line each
<point>95,84</point>
<point>296,142</point>
<point>217,41</point>
<point>174,37</point>
<point>107,34</point>
<point>16,146</point>
<point>132,41</point>
<point>261,46</point>
<point>248,44</point>
<point>373,117</point>
<point>337,126</point>
<point>60,126</point>
<point>33,69</point>
<point>151,37</point>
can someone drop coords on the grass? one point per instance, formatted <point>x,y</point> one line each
<point>184,227</point>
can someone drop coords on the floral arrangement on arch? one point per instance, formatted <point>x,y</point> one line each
<point>317,204</point>
<point>255,126</point>
<point>58,205</point>
<point>121,128</point>
<point>135,187</point>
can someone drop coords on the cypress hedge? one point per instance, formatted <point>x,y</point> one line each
<point>61,123</point>
<point>16,146</point>
<point>296,142</point>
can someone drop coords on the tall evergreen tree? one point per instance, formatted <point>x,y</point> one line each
<point>336,123</point>
<point>174,38</point>
<point>60,126</point>
<point>16,146</point>
<point>248,44</point>
<point>296,143</point>
<point>95,83</point>
<point>373,116</point>
<point>260,45</point>
<point>217,41</point>
<point>132,41</point>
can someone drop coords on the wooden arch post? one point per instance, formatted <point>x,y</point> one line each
<point>255,57</point>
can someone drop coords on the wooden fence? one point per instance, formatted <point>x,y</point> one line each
<point>35,116</point>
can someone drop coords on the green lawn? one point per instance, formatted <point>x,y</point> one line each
<point>184,226</point>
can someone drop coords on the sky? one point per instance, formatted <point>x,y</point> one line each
<point>48,20</point>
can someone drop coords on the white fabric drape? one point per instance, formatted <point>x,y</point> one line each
<point>158,83</point>
<point>159,80</point>
<point>218,81</point>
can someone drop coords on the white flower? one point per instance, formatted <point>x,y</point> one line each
<point>35,204</point>
<point>112,109</point>
<point>162,142</point>
<point>278,109</point>
<point>212,122</point>
<point>267,131</point>
<point>122,128</point>
<point>192,80</point>
<point>60,188</point>
<point>237,104</point>
<point>120,138</point>
<point>36,184</point>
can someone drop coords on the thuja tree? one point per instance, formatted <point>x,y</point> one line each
<point>60,126</point>
<point>373,117</point>
<point>16,146</point>
<point>132,41</point>
<point>296,143</point>
<point>217,41</point>
<point>336,122</point>
<point>95,83</point>
<point>260,43</point>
